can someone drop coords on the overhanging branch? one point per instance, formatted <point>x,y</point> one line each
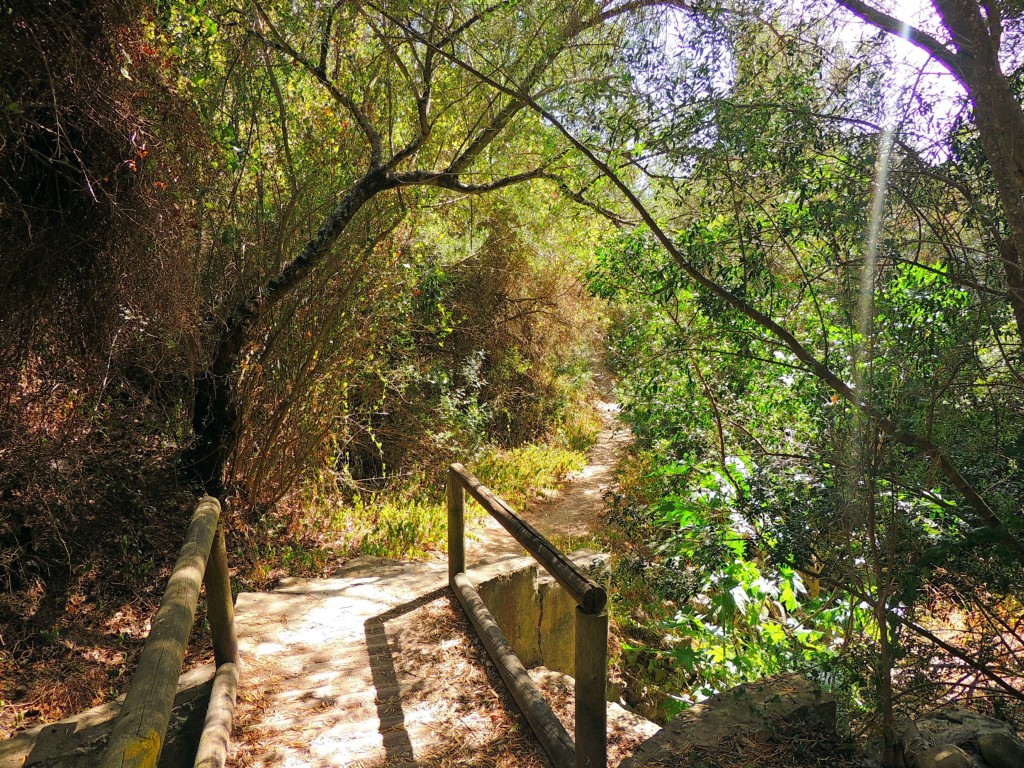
<point>977,503</point>
<point>883,21</point>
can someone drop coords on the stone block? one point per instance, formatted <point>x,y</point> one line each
<point>511,596</point>
<point>557,627</point>
<point>537,616</point>
<point>558,612</point>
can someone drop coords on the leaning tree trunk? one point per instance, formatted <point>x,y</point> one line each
<point>1000,122</point>
<point>216,419</point>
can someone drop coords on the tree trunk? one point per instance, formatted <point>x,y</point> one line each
<point>216,421</point>
<point>215,414</point>
<point>1000,123</point>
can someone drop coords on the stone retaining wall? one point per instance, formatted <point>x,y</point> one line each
<point>537,616</point>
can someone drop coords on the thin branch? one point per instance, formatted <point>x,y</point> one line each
<point>580,199</point>
<point>325,38</point>
<point>932,638</point>
<point>283,119</point>
<point>278,42</point>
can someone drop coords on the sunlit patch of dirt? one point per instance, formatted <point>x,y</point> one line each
<point>572,514</point>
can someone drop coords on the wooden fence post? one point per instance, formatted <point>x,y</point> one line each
<point>220,609</point>
<point>216,737</point>
<point>456,525</point>
<point>591,682</point>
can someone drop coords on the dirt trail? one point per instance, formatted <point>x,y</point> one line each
<point>575,510</point>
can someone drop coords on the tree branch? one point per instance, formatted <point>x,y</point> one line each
<point>883,21</point>
<point>279,43</point>
<point>580,199</point>
<point>446,180</point>
<point>930,637</point>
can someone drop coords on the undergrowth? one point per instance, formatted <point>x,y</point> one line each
<point>412,522</point>
<point>329,521</point>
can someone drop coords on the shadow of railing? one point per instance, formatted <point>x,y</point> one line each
<point>589,749</point>
<point>383,672</point>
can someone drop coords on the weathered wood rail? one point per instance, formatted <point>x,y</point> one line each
<point>590,748</point>
<point>141,727</point>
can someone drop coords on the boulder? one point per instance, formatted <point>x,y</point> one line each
<point>1000,750</point>
<point>943,756</point>
<point>749,710</point>
<point>959,727</point>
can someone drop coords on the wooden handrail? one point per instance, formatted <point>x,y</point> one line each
<point>587,593</point>
<point>141,727</point>
<point>590,748</point>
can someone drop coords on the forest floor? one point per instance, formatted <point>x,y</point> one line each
<point>571,514</point>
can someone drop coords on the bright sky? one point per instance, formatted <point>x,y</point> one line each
<point>916,77</point>
<point>924,98</point>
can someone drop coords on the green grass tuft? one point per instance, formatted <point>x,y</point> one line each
<point>520,475</point>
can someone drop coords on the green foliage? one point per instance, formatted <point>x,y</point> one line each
<point>756,475</point>
<point>694,577</point>
<point>396,527</point>
<point>520,474</point>
<point>409,520</point>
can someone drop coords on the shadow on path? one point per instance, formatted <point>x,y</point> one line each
<point>379,648</point>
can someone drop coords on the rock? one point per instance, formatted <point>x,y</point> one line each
<point>557,630</point>
<point>943,756</point>
<point>962,728</point>
<point>537,616</point>
<point>748,710</point>
<point>1000,749</point>
<point>511,597</point>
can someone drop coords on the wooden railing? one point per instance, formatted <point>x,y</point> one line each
<point>141,727</point>
<point>590,749</point>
